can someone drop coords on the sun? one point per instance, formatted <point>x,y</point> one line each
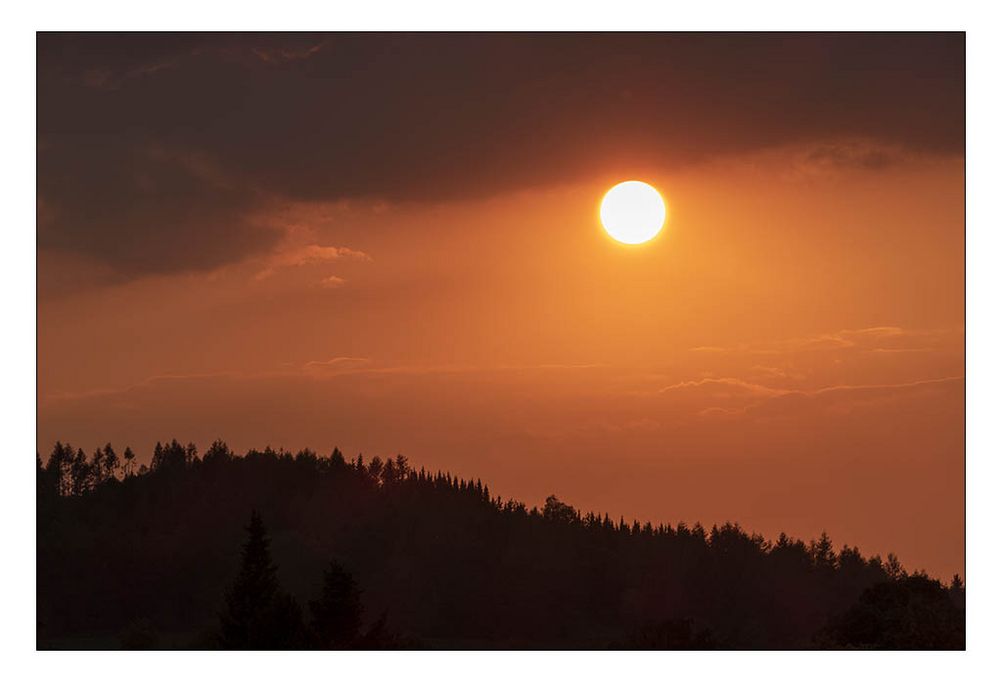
<point>633,212</point>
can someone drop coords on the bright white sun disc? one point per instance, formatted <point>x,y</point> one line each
<point>633,212</point>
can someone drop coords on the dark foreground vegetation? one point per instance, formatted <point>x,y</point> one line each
<point>275,550</point>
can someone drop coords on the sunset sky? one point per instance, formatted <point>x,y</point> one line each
<point>391,244</point>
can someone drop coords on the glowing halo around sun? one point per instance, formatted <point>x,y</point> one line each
<point>633,212</point>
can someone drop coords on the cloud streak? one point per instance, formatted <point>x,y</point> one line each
<point>878,339</point>
<point>310,254</point>
<point>755,397</point>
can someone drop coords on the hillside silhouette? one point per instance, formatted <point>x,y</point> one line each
<point>278,550</point>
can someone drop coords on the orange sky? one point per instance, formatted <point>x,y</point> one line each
<point>788,353</point>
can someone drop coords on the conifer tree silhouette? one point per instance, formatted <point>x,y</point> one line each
<point>111,462</point>
<point>257,614</point>
<point>128,459</point>
<point>336,614</point>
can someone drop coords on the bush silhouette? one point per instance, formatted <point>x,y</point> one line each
<point>912,612</point>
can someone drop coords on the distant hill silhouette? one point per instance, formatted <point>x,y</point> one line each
<point>349,554</point>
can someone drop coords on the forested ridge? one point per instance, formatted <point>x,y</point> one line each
<point>278,550</point>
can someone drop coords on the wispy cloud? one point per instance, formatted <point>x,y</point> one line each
<point>746,387</point>
<point>110,79</point>
<point>756,389</point>
<point>338,362</point>
<point>347,365</point>
<point>877,339</point>
<point>849,154</point>
<point>776,372</point>
<point>144,383</point>
<point>311,254</point>
<point>332,281</point>
<point>280,55</point>
<point>756,396</point>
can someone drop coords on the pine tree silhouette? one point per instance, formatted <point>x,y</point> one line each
<point>128,459</point>
<point>336,614</point>
<point>257,614</point>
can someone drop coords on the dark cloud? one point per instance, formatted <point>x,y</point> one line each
<point>143,210</point>
<point>155,149</point>
<point>851,155</point>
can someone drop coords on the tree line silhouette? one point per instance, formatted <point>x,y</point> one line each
<point>150,557</point>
